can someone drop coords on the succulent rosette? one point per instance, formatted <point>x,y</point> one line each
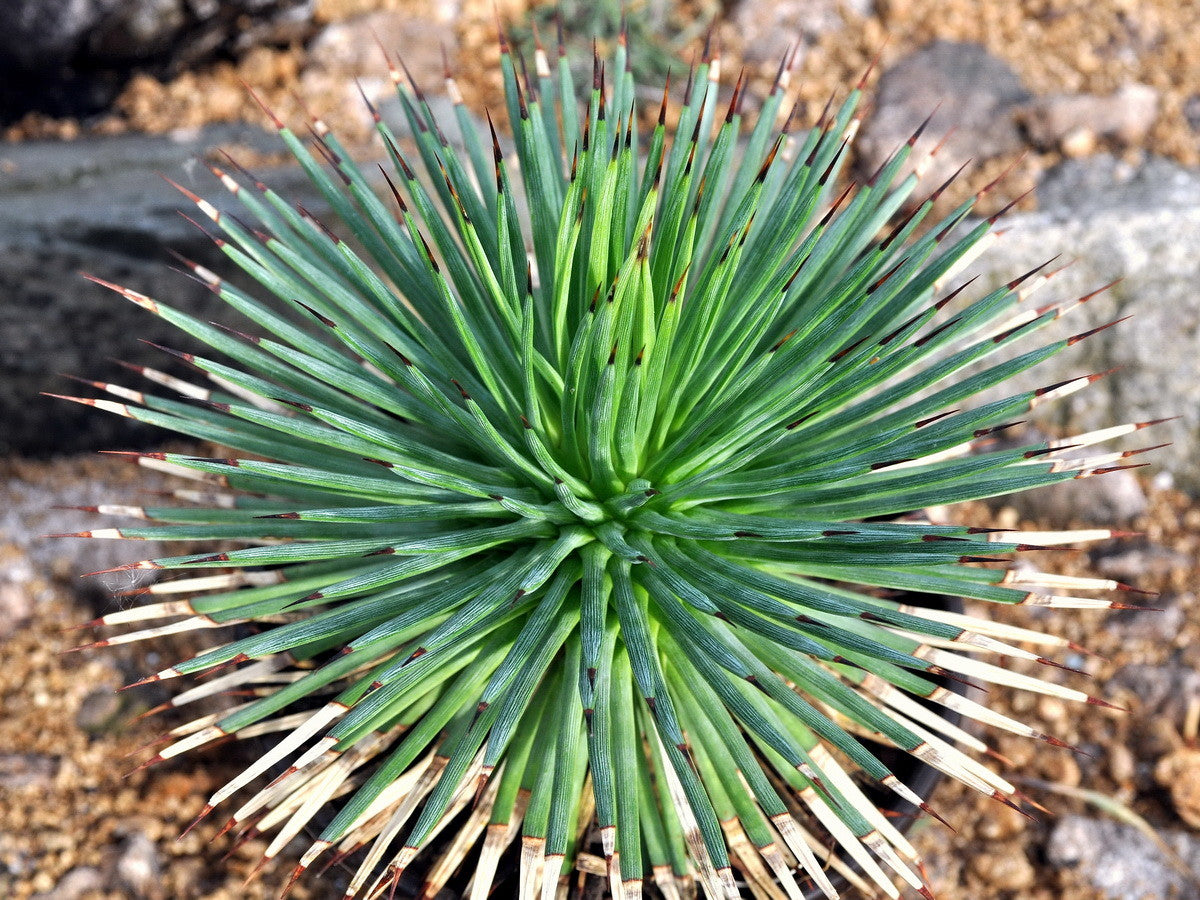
<point>574,493</point>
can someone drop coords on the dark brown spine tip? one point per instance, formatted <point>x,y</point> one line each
<point>296,404</point>
<point>601,111</point>
<point>249,338</point>
<point>500,36</point>
<point>395,191</point>
<point>1057,665</point>
<point>883,279</point>
<point>178,354</point>
<point>323,319</point>
<point>461,389</point>
<point>736,99</point>
<point>824,179</point>
<point>1083,335</point>
<point>781,341</point>
<point>784,66</point>
<point>954,293</point>
<point>984,432</point>
<point>367,100</point>
<point>916,135</point>
<point>416,654</point>
<point>871,66</point>
<point>382,551</point>
<point>925,807</point>
<point>1096,701</point>
<point>1021,278</point>
<point>993,219</point>
<point>929,421</point>
<point>770,158</point>
<point>379,462</point>
<point>1005,335</point>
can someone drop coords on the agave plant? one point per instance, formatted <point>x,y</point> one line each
<point>575,494</point>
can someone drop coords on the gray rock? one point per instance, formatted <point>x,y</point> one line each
<point>98,711</point>
<point>34,508</point>
<point>25,770</point>
<point>972,91</point>
<point>1140,562</point>
<point>1191,111</point>
<point>71,57</point>
<point>1160,691</point>
<point>1058,120</point>
<point>352,47</point>
<point>1122,863</point>
<point>139,868</point>
<point>1140,225</point>
<point>767,30</point>
<point>16,606</point>
<point>138,29</point>
<point>1113,500</point>
<point>47,32</point>
<point>78,882</point>
<point>1154,627</point>
<point>99,207</point>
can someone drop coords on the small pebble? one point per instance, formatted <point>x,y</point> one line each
<point>1004,871</point>
<point>1060,768</point>
<point>76,883</point>
<point>139,868</point>
<point>98,710</point>
<point>1179,772</point>
<point>1053,710</point>
<point>1001,823</point>
<point>1121,764</point>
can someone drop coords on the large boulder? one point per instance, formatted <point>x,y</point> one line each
<point>100,207</point>
<point>71,57</point>
<point>1141,225</point>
